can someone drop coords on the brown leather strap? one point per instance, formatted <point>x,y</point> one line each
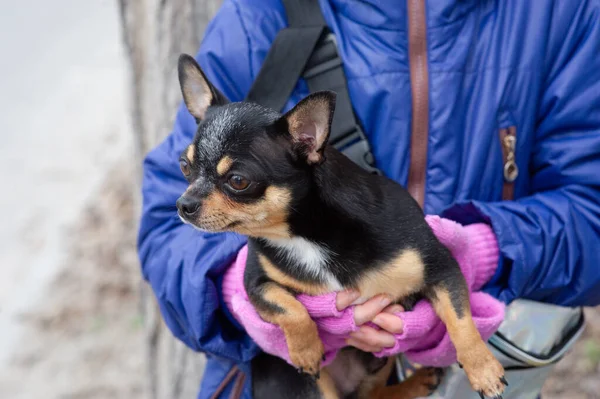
<point>232,373</point>
<point>419,82</point>
<point>238,387</point>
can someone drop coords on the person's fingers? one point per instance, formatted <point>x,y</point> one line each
<point>344,299</point>
<point>373,338</point>
<point>362,346</point>
<point>389,322</point>
<point>393,309</point>
<point>368,310</point>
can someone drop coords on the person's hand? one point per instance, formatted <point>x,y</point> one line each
<point>378,311</point>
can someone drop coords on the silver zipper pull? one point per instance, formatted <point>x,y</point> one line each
<point>511,170</point>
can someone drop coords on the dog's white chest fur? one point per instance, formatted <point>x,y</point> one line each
<point>311,256</point>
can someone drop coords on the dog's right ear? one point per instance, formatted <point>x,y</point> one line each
<point>309,124</point>
<point>198,92</point>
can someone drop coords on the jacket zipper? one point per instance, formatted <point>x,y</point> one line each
<point>419,83</point>
<point>510,170</point>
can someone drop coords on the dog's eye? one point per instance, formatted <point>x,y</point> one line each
<point>238,182</point>
<point>185,167</point>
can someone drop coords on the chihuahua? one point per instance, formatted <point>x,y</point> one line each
<point>316,222</point>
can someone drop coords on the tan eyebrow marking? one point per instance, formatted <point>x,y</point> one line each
<point>224,165</point>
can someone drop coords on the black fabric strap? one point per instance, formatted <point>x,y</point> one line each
<point>283,65</point>
<point>289,54</point>
<point>302,13</point>
<point>307,49</point>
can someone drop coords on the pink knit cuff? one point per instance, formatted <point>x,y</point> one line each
<point>417,324</point>
<point>233,279</point>
<point>483,247</point>
<point>323,311</point>
<point>320,306</point>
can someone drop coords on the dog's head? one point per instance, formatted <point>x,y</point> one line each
<point>248,164</point>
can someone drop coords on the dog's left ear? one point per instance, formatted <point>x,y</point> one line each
<point>309,123</point>
<point>198,92</point>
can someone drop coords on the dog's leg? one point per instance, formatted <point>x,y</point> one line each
<point>327,387</point>
<point>422,383</point>
<point>277,305</point>
<point>450,300</point>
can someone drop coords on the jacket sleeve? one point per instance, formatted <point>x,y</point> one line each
<point>549,240</point>
<point>183,265</point>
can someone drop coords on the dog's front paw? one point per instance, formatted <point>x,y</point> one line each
<point>307,357</point>
<point>485,373</point>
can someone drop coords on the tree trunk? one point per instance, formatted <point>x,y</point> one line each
<point>155,32</point>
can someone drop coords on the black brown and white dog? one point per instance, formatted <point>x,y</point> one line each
<point>318,223</point>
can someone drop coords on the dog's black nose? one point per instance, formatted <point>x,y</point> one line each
<point>188,206</point>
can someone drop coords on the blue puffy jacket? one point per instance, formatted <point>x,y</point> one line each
<point>531,66</point>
